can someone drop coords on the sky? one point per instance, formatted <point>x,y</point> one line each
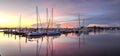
<point>66,12</point>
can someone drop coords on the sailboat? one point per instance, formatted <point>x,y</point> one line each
<point>79,31</point>
<point>36,33</point>
<point>19,31</point>
<point>53,32</point>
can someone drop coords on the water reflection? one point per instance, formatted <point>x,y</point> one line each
<point>20,54</point>
<point>83,44</point>
<point>48,51</point>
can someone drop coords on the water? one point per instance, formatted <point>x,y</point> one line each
<point>92,44</point>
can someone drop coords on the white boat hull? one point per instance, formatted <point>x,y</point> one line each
<point>35,34</point>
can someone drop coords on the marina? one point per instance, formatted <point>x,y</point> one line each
<point>59,28</point>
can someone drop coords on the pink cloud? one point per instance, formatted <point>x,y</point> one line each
<point>68,25</point>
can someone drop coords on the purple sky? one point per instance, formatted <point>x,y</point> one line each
<point>94,11</point>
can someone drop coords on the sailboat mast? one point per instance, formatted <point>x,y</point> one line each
<point>79,21</point>
<point>52,18</point>
<point>20,23</point>
<point>37,16</point>
<point>48,20</point>
<point>47,15</point>
<point>83,22</point>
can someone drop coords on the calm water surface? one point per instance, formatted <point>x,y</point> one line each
<point>92,44</point>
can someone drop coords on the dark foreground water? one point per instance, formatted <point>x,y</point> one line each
<point>92,44</point>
